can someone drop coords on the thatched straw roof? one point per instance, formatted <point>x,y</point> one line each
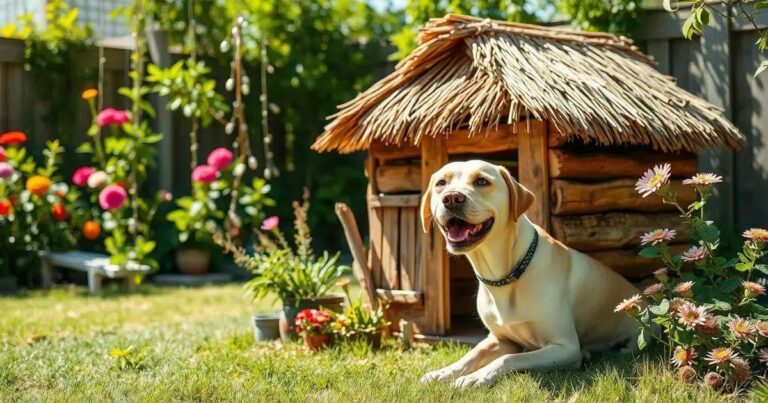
<point>475,73</point>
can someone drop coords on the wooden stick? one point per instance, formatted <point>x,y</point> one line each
<point>355,242</point>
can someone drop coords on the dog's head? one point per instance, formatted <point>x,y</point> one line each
<point>470,200</point>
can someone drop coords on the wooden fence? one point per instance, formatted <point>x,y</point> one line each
<point>718,66</point>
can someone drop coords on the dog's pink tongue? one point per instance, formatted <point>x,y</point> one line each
<point>458,233</point>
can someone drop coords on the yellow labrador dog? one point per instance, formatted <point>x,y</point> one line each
<point>542,302</point>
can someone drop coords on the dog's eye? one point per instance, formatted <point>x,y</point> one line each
<point>440,183</point>
<point>480,181</point>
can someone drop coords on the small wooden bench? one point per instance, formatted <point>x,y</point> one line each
<point>95,264</point>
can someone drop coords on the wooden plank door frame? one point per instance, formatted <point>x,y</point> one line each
<point>434,257</point>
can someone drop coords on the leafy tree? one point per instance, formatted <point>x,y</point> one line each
<point>702,10</point>
<point>618,17</point>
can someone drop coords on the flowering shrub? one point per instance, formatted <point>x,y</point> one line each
<point>711,326</point>
<point>123,150</point>
<point>35,207</point>
<point>293,273</point>
<point>201,215</point>
<point>310,322</point>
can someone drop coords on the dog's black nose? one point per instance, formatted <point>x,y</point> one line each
<point>452,200</point>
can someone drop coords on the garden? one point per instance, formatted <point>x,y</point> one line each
<point>169,229</point>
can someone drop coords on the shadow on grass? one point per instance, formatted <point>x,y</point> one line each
<point>623,365</point>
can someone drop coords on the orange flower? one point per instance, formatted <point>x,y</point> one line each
<point>38,185</point>
<point>14,137</point>
<point>59,212</point>
<point>90,94</point>
<point>91,230</point>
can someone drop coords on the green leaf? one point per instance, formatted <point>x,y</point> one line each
<point>721,305</point>
<point>742,267</point>
<point>730,284</point>
<point>660,309</point>
<point>641,342</point>
<point>763,66</point>
<point>668,6</point>
<point>650,252</point>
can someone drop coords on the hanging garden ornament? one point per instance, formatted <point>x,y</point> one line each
<point>270,169</point>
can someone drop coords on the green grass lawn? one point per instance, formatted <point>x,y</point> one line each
<point>195,345</point>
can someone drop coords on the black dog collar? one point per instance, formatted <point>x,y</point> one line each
<point>519,269</point>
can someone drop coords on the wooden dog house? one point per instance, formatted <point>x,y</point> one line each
<point>575,116</point>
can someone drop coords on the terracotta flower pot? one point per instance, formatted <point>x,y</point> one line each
<point>332,302</point>
<point>193,261</point>
<point>316,342</point>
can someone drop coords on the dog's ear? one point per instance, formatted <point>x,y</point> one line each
<point>426,207</point>
<point>520,198</point>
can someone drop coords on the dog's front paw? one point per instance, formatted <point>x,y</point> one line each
<point>474,380</point>
<point>441,375</point>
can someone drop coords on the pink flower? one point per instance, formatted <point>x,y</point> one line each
<point>653,179</point>
<point>112,197</point>
<point>694,254</point>
<point>628,305</point>
<point>683,356</point>
<point>703,180</point>
<point>6,170</point>
<point>97,179</point>
<point>80,177</point>
<point>691,315</point>
<point>270,223</point>
<point>204,174</point>
<point>220,158</point>
<point>112,116</point>
<point>658,235</point>
<point>2,154</point>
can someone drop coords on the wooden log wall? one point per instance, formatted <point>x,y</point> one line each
<point>595,208</point>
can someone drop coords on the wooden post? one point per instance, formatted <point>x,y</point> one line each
<point>360,267</point>
<point>533,170</point>
<point>161,56</point>
<point>434,258</point>
<point>716,88</point>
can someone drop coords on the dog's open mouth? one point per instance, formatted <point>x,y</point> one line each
<point>462,234</point>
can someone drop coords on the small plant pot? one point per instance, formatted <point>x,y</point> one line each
<point>193,261</point>
<point>8,285</point>
<point>372,339</point>
<point>316,342</point>
<point>266,327</point>
<point>331,302</point>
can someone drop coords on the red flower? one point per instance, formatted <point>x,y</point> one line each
<point>5,208</point>
<point>14,137</point>
<point>13,199</point>
<point>59,212</point>
<point>312,320</point>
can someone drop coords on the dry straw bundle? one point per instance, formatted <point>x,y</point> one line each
<point>477,74</point>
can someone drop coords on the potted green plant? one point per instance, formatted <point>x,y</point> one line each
<point>298,277</point>
<point>360,323</point>
<point>314,326</point>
